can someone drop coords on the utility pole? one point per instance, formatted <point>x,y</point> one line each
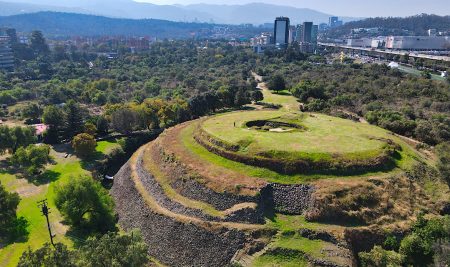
<point>45,211</point>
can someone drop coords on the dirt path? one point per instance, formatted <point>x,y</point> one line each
<point>288,102</point>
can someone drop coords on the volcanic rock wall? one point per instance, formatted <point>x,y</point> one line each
<point>172,242</point>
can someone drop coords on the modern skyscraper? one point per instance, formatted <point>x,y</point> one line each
<point>299,34</point>
<point>314,33</point>
<point>281,31</point>
<point>307,32</point>
<point>333,21</point>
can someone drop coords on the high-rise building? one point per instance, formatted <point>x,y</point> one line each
<point>332,21</point>
<point>307,32</point>
<point>323,26</point>
<point>6,53</point>
<point>281,31</point>
<point>292,34</point>
<point>314,33</point>
<point>299,34</point>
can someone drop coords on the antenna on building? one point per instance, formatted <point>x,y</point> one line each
<point>43,205</point>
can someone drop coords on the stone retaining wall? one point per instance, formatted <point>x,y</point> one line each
<point>172,242</point>
<point>288,199</point>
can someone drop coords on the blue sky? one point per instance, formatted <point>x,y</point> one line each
<point>366,8</point>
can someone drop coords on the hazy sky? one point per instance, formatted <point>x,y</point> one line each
<point>364,8</point>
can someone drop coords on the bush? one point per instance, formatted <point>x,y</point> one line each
<point>277,83</point>
<point>417,251</point>
<point>85,203</point>
<point>378,257</point>
<point>307,89</point>
<point>84,145</point>
<point>443,153</point>
<point>316,105</point>
<point>391,120</point>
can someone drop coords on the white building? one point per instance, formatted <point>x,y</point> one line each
<point>418,42</point>
<point>363,42</point>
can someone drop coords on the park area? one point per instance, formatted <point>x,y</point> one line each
<point>31,191</point>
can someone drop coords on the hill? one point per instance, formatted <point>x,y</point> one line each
<point>414,25</point>
<point>69,24</point>
<point>9,9</point>
<point>255,13</point>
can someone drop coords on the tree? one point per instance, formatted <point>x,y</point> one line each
<point>11,227</point>
<point>74,119</point>
<point>102,126</point>
<point>124,120</point>
<point>308,89</point>
<point>85,203</point>
<point>84,145</point>
<point>54,117</point>
<point>32,112</point>
<point>38,43</point>
<point>113,249</point>
<point>426,74</point>
<point>90,128</point>
<point>22,137</point>
<point>6,139</point>
<point>32,159</point>
<point>48,256</point>
<point>257,96</point>
<point>13,138</point>
<point>443,153</point>
<point>277,83</point>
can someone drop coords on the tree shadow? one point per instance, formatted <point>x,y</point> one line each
<point>282,93</point>
<point>19,234</point>
<point>63,148</point>
<point>46,177</point>
<point>91,163</point>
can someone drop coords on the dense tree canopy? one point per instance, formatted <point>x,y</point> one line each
<point>85,203</point>
<point>111,249</point>
<point>10,226</point>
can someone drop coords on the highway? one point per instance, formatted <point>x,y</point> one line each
<point>392,52</point>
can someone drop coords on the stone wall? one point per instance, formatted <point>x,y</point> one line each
<point>288,199</point>
<point>172,242</point>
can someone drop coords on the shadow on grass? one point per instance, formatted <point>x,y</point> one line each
<point>17,234</point>
<point>45,178</point>
<point>281,93</point>
<point>90,163</point>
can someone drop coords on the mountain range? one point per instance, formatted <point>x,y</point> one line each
<point>60,24</point>
<point>254,13</point>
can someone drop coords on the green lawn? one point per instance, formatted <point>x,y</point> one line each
<point>324,134</point>
<point>277,260</point>
<point>105,147</point>
<point>417,72</point>
<point>284,98</point>
<point>287,223</point>
<point>64,169</point>
<point>186,137</point>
